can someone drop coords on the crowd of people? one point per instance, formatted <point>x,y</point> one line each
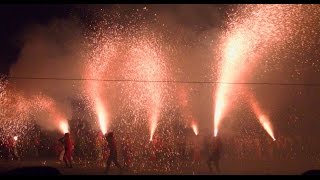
<point>164,153</point>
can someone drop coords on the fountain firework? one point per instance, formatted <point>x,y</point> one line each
<point>253,32</point>
<point>195,128</point>
<point>17,111</point>
<point>14,110</point>
<point>96,68</point>
<point>263,119</point>
<point>147,63</point>
<point>56,119</point>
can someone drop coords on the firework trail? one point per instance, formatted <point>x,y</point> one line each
<point>18,111</point>
<point>262,117</point>
<point>187,111</point>
<point>194,126</point>
<point>147,62</point>
<point>45,105</point>
<point>253,32</point>
<point>96,68</point>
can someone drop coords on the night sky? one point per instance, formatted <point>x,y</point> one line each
<point>15,18</point>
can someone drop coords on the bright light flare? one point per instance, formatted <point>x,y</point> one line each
<point>102,116</point>
<point>234,53</point>
<point>44,103</point>
<point>265,122</point>
<point>104,50</point>
<point>64,126</point>
<point>15,138</point>
<point>252,32</point>
<point>263,119</point>
<point>218,112</point>
<point>195,128</point>
<point>153,125</point>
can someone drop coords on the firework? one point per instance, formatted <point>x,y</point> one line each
<point>253,32</point>
<point>64,127</point>
<point>46,106</point>
<point>195,128</point>
<point>263,119</point>
<point>98,60</point>
<point>147,62</point>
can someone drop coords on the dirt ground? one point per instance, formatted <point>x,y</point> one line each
<point>228,167</point>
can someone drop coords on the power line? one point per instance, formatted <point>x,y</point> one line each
<point>165,81</point>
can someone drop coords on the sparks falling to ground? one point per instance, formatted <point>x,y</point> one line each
<point>252,33</point>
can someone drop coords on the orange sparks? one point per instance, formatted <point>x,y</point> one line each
<point>102,116</point>
<point>266,125</point>
<point>252,33</point>
<point>195,128</point>
<point>45,103</point>
<point>233,55</point>
<point>263,119</point>
<point>153,125</point>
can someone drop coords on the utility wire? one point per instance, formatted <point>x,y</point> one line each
<point>165,81</point>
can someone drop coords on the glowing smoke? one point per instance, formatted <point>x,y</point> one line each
<point>263,119</point>
<point>195,128</point>
<point>102,116</point>
<point>147,62</point>
<point>96,67</point>
<point>252,33</point>
<point>64,127</point>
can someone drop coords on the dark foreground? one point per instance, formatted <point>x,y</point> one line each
<point>228,167</point>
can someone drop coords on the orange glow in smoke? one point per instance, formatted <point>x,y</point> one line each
<point>266,125</point>
<point>218,112</point>
<point>195,128</point>
<point>233,56</point>
<point>256,30</point>
<point>102,116</point>
<point>263,119</point>
<point>64,127</point>
<point>153,125</point>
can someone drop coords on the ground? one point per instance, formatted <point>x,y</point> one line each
<point>228,167</point>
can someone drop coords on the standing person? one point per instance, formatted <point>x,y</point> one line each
<point>62,149</point>
<point>68,147</point>
<point>15,148</point>
<point>214,156</point>
<point>12,147</point>
<point>113,156</point>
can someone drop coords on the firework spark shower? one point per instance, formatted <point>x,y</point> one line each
<point>147,61</point>
<point>161,77</point>
<point>96,68</point>
<point>253,32</point>
<point>18,110</point>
